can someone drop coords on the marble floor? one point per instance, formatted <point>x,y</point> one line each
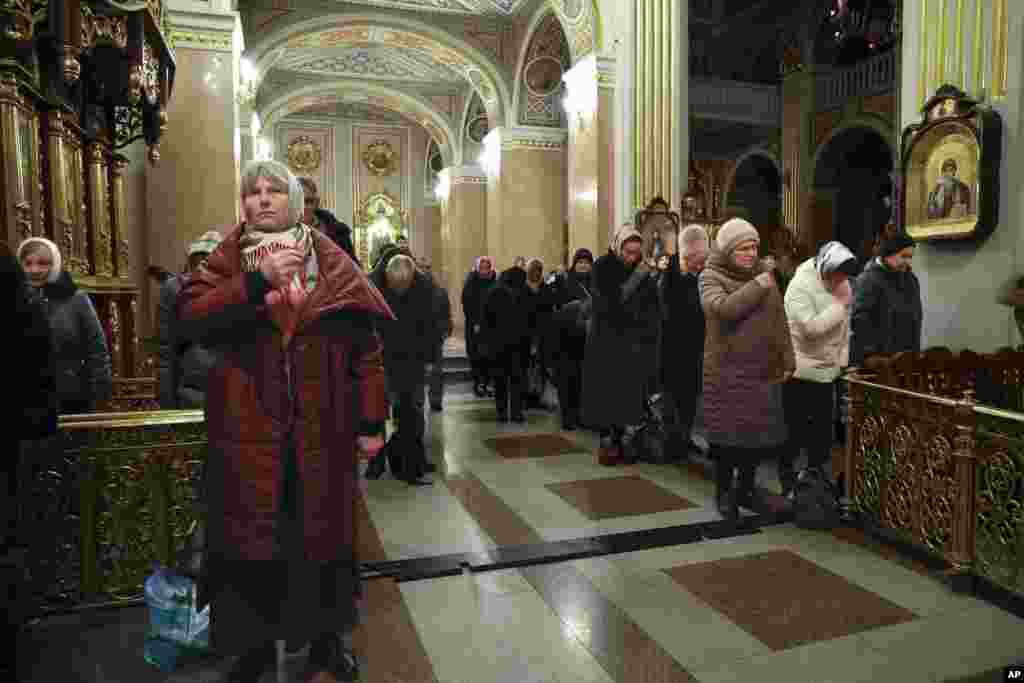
<point>776,604</point>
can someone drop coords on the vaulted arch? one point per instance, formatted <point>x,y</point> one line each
<point>341,29</point>
<point>412,107</point>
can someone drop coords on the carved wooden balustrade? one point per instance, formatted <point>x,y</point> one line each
<point>104,499</point>
<point>930,463</point>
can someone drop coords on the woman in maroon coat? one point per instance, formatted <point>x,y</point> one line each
<point>300,386</point>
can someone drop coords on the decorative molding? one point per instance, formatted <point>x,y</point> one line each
<point>466,175</point>
<point>607,76</point>
<point>533,138</point>
<point>214,31</point>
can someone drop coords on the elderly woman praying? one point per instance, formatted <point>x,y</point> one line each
<point>299,387</point>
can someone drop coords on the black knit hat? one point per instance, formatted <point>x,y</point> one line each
<point>580,255</point>
<point>896,243</point>
<point>849,266</point>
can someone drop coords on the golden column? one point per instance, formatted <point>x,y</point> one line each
<point>660,104</point>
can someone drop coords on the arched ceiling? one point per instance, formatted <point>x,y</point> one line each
<point>368,61</point>
<point>361,96</point>
<point>498,7</point>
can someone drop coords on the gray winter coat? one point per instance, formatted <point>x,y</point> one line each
<point>80,346</point>
<point>182,366</point>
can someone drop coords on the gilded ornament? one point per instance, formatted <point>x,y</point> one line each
<point>163,121</point>
<point>154,154</point>
<point>380,158</point>
<point>72,68</point>
<point>135,80</point>
<point>304,155</point>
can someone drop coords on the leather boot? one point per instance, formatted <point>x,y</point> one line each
<point>745,486</point>
<point>725,496</point>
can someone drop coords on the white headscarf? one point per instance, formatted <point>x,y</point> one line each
<point>623,235</point>
<point>58,262</point>
<point>830,256</point>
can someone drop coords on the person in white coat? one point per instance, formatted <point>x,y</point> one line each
<point>818,302</point>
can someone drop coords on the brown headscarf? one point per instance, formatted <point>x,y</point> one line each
<point>623,235</point>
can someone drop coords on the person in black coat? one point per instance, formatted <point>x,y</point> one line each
<point>32,416</point>
<point>682,342</point>
<point>572,299</point>
<point>409,344</point>
<point>622,343</point>
<point>506,334</point>
<point>887,311</point>
<point>339,232</point>
<point>478,283</point>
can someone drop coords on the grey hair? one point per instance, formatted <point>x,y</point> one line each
<point>280,176</point>
<point>690,236</point>
<point>400,268</point>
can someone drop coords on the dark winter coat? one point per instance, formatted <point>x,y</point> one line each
<point>182,366</point>
<point>683,330</point>
<point>411,337</point>
<point>273,411</point>
<point>748,350</point>
<point>337,230</point>
<point>79,343</point>
<point>622,344</point>
<point>571,286</point>
<point>887,313</point>
<point>474,291</point>
<point>34,414</point>
<point>506,327</point>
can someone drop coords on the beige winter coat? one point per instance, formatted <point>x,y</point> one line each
<point>819,325</point>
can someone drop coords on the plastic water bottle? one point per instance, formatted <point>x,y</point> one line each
<point>170,614</point>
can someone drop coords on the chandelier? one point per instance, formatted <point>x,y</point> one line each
<point>858,28</point>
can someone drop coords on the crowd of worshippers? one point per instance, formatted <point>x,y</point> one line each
<point>298,357</point>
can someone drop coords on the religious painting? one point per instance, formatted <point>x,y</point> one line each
<point>951,169</point>
<point>657,225</point>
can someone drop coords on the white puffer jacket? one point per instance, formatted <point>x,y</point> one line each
<point>818,324</point>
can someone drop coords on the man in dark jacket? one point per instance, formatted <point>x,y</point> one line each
<point>478,283</point>
<point>506,332</point>
<point>182,365</point>
<point>339,232</point>
<point>409,344</point>
<point>887,311</point>
<point>682,344</point>
<point>443,314</point>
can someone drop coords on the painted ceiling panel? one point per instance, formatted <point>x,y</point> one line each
<point>368,61</point>
<point>482,7</point>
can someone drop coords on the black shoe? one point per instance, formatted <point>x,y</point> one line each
<point>568,426</point>
<point>253,664</point>
<point>502,417</point>
<point>519,417</point>
<point>436,407</point>
<point>376,467</point>
<point>416,481</point>
<point>480,390</point>
<point>329,654</point>
<point>726,503</point>
<point>429,467</point>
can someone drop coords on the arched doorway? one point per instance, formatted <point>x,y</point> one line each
<point>757,188</point>
<point>852,193</point>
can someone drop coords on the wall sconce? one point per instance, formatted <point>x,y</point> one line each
<point>581,99</point>
<point>490,158</point>
<point>262,150</point>
<point>444,186</point>
<point>248,81</point>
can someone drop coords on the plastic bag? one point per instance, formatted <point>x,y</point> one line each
<point>175,625</point>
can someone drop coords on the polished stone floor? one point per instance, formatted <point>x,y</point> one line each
<point>777,604</point>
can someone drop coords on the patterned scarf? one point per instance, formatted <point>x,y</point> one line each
<point>283,305</point>
<point>257,244</point>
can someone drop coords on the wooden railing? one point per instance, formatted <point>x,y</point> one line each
<point>104,499</point>
<point>871,77</point>
<point>940,471</point>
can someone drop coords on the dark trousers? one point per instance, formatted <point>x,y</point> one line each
<point>683,403</point>
<point>570,388</point>
<point>477,363</point>
<point>729,459</point>
<point>810,412</point>
<point>435,378</point>
<point>509,386</point>
<point>407,398</point>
